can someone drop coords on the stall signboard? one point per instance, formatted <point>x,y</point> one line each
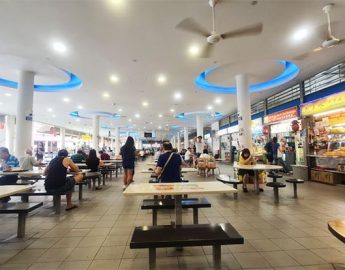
<point>86,137</point>
<point>281,116</point>
<point>336,119</point>
<point>328,103</point>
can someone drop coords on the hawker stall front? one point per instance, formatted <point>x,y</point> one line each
<point>326,138</point>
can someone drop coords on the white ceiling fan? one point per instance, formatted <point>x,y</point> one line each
<point>330,40</point>
<point>190,25</point>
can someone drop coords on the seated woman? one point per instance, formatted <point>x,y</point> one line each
<point>93,162</point>
<point>246,159</point>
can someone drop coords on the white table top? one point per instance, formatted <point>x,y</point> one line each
<point>135,189</point>
<point>34,173</point>
<point>10,190</point>
<point>183,170</point>
<point>113,160</point>
<point>259,167</point>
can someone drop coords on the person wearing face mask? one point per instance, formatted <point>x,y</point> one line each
<point>246,159</point>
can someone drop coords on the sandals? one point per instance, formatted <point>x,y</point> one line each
<point>72,207</point>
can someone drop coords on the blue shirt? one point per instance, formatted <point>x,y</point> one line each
<point>172,170</point>
<point>12,161</point>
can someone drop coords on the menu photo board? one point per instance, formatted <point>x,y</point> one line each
<point>281,116</point>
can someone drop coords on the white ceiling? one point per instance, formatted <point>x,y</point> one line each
<point>137,41</point>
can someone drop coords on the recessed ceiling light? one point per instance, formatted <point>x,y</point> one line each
<point>218,100</point>
<point>106,95</point>
<point>172,110</point>
<point>209,107</point>
<point>137,115</point>
<point>160,115</point>
<point>80,107</point>
<point>301,33</point>
<point>78,120</point>
<point>161,79</point>
<point>8,94</point>
<point>129,120</point>
<point>145,103</point>
<point>194,50</point>
<point>177,95</point>
<point>151,123</point>
<point>159,127</point>
<point>59,47</point>
<point>120,110</point>
<point>54,115</point>
<point>49,109</point>
<point>114,78</point>
<point>66,99</point>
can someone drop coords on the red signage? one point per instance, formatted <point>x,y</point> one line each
<point>281,116</point>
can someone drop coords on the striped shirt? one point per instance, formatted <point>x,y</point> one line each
<point>11,161</point>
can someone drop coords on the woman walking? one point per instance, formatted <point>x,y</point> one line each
<point>128,153</point>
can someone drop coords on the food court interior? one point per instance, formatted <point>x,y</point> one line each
<point>205,81</point>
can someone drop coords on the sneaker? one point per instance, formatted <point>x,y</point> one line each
<point>261,189</point>
<point>245,190</point>
<point>124,187</point>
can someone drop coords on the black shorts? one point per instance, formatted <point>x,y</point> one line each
<point>68,186</point>
<point>129,169</point>
<point>243,172</point>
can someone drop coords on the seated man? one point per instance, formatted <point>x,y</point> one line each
<point>169,165</point>
<point>28,161</point>
<point>8,162</point>
<point>56,180</point>
<point>78,157</point>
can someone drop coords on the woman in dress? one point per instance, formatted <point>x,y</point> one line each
<point>128,153</point>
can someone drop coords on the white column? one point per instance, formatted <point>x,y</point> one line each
<point>185,133</point>
<point>199,126</point>
<point>62,138</point>
<point>102,142</point>
<point>95,132</point>
<point>25,98</point>
<point>117,141</point>
<point>244,111</point>
<point>178,142</point>
<point>10,121</point>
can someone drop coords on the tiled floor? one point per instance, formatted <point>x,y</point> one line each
<point>291,235</point>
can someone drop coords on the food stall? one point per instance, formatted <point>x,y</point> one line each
<point>326,138</point>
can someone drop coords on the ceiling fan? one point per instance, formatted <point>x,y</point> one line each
<point>330,40</point>
<point>213,37</point>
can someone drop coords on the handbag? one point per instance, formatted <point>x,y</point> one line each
<point>166,163</point>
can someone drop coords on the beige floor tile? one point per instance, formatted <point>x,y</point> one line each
<point>263,245</point>
<point>45,266</point>
<point>321,267</point>
<point>7,254</point>
<point>287,243</point>
<point>55,255</point>
<point>187,251</point>
<point>44,242</point>
<point>251,260</point>
<point>330,255</point>
<point>311,242</point>
<point>246,247</point>
<point>83,254</point>
<point>15,266</point>
<point>75,265</point>
<point>91,241</point>
<point>104,265</point>
<point>193,262</point>
<point>27,256</point>
<point>115,240</point>
<point>68,242</point>
<point>228,262</point>
<point>110,253</point>
<point>305,257</point>
<point>279,258</point>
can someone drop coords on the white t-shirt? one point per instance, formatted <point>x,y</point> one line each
<point>27,163</point>
<point>199,147</point>
<point>187,155</point>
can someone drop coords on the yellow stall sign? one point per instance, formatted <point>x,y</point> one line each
<point>331,102</point>
<point>86,137</point>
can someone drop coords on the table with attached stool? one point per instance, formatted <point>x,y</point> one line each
<point>295,182</point>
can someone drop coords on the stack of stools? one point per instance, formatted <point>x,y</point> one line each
<point>295,182</point>
<point>275,185</point>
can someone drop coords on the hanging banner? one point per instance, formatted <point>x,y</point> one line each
<point>325,104</point>
<point>281,116</point>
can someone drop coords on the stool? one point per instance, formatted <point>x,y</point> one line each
<point>228,180</point>
<point>295,182</point>
<point>274,176</point>
<point>276,186</point>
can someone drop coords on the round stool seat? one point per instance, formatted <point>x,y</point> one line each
<point>272,175</point>
<point>293,180</point>
<point>275,184</point>
<point>227,179</point>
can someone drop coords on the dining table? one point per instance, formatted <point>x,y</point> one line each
<point>337,228</point>
<point>256,168</point>
<point>8,190</point>
<point>183,170</point>
<point>177,190</point>
<point>33,173</point>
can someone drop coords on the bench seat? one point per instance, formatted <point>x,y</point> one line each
<point>185,236</point>
<point>160,204</point>
<point>22,209</point>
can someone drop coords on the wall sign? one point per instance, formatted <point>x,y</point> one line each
<point>331,102</point>
<point>281,116</point>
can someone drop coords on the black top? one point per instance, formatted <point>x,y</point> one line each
<point>56,174</point>
<point>171,172</point>
<point>92,164</point>
<point>128,156</point>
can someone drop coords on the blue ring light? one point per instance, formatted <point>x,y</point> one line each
<point>73,83</point>
<point>291,70</point>
<point>209,116</point>
<point>84,114</point>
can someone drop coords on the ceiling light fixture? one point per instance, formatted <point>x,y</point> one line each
<point>66,99</point>
<point>49,109</point>
<point>137,115</point>
<point>301,33</point>
<point>145,103</point>
<point>129,120</point>
<point>161,79</point>
<point>218,100</point>
<point>114,78</point>
<point>54,115</point>
<point>172,110</point>
<point>80,107</point>
<point>160,115</point>
<point>194,50</point>
<point>177,95</point>
<point>59,47</point>
<point>120,110</point>
<point>209,107</point>
<point>159,127</point>
<point>106,95</point>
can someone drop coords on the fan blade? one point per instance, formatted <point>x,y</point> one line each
<point>245,31</point>
<point>342,41</point>
<point>307,54</point>
<point>192,26</point>
<point>206,51</point>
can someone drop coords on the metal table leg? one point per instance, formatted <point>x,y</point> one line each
<point>152,258</point>
<point>195,216</point>
<point>256,181</point>
<point>217,257</point>
<point>154,217</point>
<point>80,192</point>
<point>295,190</point>
<point>21,225</point>
<point>178,210</point>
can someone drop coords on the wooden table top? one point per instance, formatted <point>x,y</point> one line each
<point>8,190</point>
<point>259,167</point>
<point>337,228</point>
<point>135,189</point>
